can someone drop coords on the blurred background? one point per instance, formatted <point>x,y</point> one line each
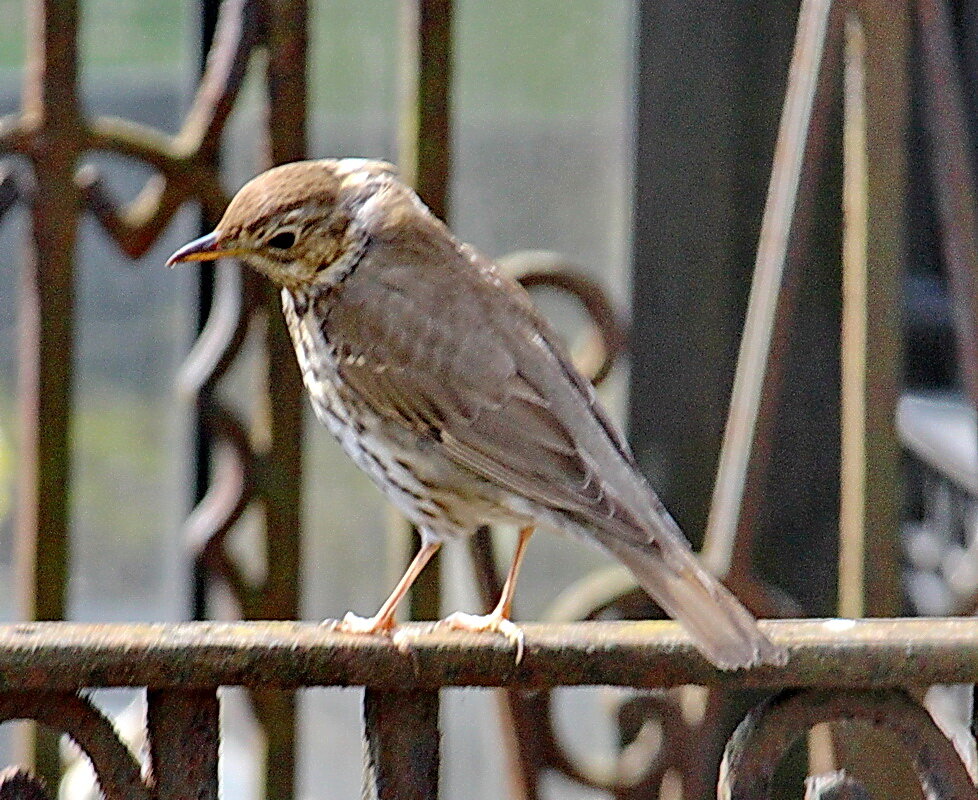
<point>633,138</point>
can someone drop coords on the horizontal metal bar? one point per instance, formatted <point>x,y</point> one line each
<point>879,652</point>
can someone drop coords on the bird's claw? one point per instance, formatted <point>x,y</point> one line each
<point>459,621</point>
<point>401,637</point>
<point>488,623</point>
<point>352,623</point>
<point>404,637</point>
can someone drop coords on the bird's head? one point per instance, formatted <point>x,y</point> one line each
<point>299,223</point>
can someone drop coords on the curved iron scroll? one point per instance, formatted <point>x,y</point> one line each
<point>765,735</point>
<point>53,135</point>
<point>118,771</point>
<point>182,730</point>
<point>18,784</point>
<point>184,164</point>
<point>608,338</point>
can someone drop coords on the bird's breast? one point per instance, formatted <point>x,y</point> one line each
<point>415,480</point>
<point>318,362</point>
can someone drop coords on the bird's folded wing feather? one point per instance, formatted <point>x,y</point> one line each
<point>465,361</point>
<point>480,373</point>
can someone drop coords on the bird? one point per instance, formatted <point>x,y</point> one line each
<point>443,382</point>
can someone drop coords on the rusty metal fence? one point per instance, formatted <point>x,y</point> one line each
<point>871,671</point>
<point>839,671</point>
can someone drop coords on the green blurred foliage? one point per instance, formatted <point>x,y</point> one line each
<point>542,58</point>
<point>114,33</point>
<point>526,58</point>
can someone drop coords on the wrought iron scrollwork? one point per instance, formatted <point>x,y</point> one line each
<point>54,136</point>
<point>607,338</point>
<point>764,736</point>
<point>18,784</point>
<point>182,737</point>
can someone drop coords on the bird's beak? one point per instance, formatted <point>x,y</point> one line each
<point>206,248</point>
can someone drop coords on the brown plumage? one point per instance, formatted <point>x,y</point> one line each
<point>440,379</point>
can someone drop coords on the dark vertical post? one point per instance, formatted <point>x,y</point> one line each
<point>401,745</point>
<point>874,191</point>
<point>949,54</point>
<point>704,134</point>
<point>947,119</point>
<point>47,326</point>
<point>795,172</point>
<point>710,88</point>
<point>184,734</point>
<point>203,442</point>
<point>281,486</point>
<point>425,135</point>
<point>282,489</point>
<point>425,162</point>
<point>709,91</point>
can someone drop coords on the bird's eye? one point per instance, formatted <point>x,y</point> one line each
<point>282,241</point>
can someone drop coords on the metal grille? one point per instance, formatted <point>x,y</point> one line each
<point>840,671</point>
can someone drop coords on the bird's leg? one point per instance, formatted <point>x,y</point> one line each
<point>505,605</point>
<point>498,621</point>
<point>383,620</point>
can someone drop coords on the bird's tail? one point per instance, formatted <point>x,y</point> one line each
<point>722,629</point>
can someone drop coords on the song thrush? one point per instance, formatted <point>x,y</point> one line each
<point>444,384</point>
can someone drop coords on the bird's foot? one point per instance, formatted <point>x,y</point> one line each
<point>402,638</point>
<point>488,623</point>
<point>351,623</point>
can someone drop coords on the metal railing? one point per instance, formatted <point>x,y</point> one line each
<point>839,670</point>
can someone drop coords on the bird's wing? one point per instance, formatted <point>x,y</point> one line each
<point>470,363</point>
<point>462,358</point>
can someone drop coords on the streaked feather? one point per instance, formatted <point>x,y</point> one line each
<point>444,384</point>
<point>453,350</point>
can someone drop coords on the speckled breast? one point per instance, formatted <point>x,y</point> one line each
<point>425,488</point>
